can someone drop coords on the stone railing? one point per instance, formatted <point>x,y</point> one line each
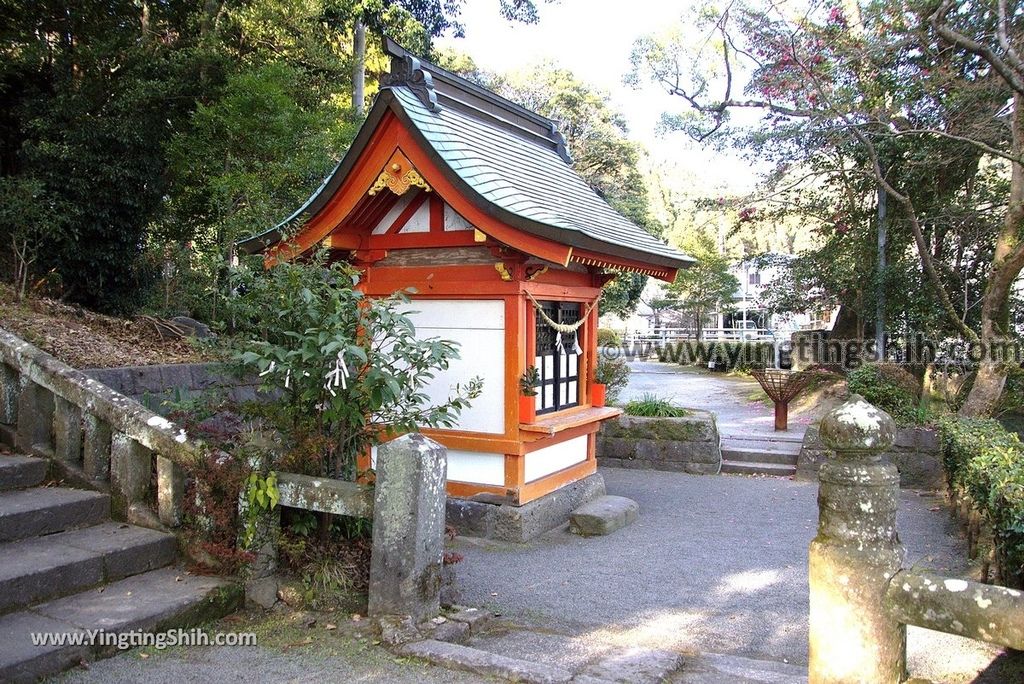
<point>407,505</point>
<point>94,436</point>
<point>861,597</point>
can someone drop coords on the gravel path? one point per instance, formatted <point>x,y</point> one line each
<point>715,563</point>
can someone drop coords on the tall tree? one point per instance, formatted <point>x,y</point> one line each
<point>908,96</point>
<point>705,287</point>
<point>91,91</point>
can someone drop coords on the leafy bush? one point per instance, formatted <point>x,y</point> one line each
<point>606,337</point>
<point>985,463</point>
<point>653,406</point>
<point>346,370</point>
<point>614,375</point>
<point>891,388</point>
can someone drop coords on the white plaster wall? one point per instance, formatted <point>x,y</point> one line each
<point>555,457</point>
<point>454,221</point>
<point>479,328</point>
<point>419,222</point>
<point>468,466</point>
<point>393,214</point>
<point>476,467</point>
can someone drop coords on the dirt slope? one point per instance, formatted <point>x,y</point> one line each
<point>84,339</point>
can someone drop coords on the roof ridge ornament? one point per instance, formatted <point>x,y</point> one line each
<point>398,176</point>
<point>407,71</point>
<point>561,147</point>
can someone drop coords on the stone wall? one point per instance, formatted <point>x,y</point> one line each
<point>690,444</point>
<point>916,453</point>
<point>152,385</point>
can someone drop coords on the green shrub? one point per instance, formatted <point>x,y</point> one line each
<point>614,375</point>
<point>985,463</point>
<point>890,388</point>
<point>346,372</point>
<point>606,337</point>
<point>653,406</point>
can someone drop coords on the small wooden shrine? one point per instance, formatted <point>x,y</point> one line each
<point>470,200</point>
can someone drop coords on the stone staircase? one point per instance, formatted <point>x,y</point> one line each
<point>66,568</point>
<point>760,454</point>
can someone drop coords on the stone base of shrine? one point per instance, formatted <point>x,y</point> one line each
<point>504,522</point>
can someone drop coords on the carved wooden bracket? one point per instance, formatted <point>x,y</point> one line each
<point>534,271</point>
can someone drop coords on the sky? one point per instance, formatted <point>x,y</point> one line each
<point>593,39</point>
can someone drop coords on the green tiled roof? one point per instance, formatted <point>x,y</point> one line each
<point>503,156</point>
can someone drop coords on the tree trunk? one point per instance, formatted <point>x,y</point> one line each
<point>1006,266</point>
<point>359,67</point>
<point>880,287</point>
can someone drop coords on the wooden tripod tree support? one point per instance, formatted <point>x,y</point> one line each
<point>782,387</point>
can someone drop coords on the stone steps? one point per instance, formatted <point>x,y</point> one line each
<point>760,455</point>
<point>33,512</point>
<point>485,663</point>
<point>519,654</point>
<point>19,472</point>
<point>731,453</point>
<point>154,601</point>
<point>42,568</point>
<point>66,569</point>
<point>747,468</point>
<point>780,438</point>
<point>714,668</point>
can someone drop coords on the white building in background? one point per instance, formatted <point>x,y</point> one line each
<point>746,319</point>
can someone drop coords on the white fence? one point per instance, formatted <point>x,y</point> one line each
<point>666,335</point>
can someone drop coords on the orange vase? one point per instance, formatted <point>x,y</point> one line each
<point>597,392</point>
<point>527,409</point>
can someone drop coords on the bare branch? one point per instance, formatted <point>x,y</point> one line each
<point>1004,40</point>
<point>984,147</point>
<point>938,23</point>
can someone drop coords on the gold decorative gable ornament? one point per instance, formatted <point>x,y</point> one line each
<point>398,176</point>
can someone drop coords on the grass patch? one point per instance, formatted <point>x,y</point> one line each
<point>652,406</point>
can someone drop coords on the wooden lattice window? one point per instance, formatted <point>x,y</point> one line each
<point>559,369</point>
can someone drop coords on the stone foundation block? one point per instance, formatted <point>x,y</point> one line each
<point>505,522</point>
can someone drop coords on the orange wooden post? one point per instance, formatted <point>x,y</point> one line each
<point>781,416</point>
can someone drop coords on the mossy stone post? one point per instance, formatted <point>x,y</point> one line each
<point>408,528</point>
<point>131,470</point>
<point>10,389</point>
<point>856,553</point>
<point>35,418</point>
<point>96,445</point>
